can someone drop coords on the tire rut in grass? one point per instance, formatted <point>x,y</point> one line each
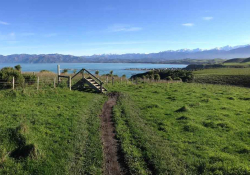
<point>113,159</point>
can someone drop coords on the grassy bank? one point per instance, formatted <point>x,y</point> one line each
<point>50,132</point>
<point>184,128</point>
<point>224,76</point>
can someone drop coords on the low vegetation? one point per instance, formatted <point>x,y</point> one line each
<point>184,128</point>
<point>168,74</point>
<point>224,76</point>
<point>50,132</point>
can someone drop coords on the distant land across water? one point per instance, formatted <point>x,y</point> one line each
<point>104,68</point>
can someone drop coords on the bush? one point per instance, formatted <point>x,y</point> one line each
<point>169,78</point>
<point>157,77</point>
<point>7,74</point>
<point>177,74</point>
<point>177,78</point>
<point>43,71</point>
<point>30,79</point>
<point>65,71</point>
<point>18,67</point>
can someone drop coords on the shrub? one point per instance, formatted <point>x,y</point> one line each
<point>168,74</point>
<point>97,72</point>
<point>18,67</point>
<point>177,78</point>
<point>7,74</point>
<point>43,71</point>
<point>30,79</point>
<point>169,78</point>
<point>157,77</point>
<point>65,71</point>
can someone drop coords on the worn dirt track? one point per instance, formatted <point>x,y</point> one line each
<point>113,164</point>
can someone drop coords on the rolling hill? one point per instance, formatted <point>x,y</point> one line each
<point>161,57</point>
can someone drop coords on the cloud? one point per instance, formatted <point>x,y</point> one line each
<point>28,34</point>
<point>50,35</point>
<point>141,42</point>
<point>4,23</point>
<point>188,24</point>
<point>208,18</point>
<point>7,37</point>
<point>123,28</point>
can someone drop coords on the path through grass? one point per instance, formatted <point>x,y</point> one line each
<point>184,128</point>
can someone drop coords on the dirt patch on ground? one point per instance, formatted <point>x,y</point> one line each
<point>113,161</point>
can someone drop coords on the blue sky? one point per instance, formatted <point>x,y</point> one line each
<point>86,27</point>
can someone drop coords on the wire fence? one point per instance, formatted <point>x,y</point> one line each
<point>44,83</point>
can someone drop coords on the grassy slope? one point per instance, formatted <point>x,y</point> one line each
<point>209,134</point>
<point>60,126</point>
<point>231,76</point>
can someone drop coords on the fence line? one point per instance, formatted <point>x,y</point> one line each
<point>42,83</point>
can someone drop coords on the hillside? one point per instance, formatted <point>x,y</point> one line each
<point>169,56</point>
<point>238,60</point>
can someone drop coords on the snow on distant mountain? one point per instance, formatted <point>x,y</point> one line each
<point>225,48</point>
<point>226,52</point>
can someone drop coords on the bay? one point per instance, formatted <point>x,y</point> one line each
<point>103,68</point>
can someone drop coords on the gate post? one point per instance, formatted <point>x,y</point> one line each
<point>58,73</point>
<point>69,82</point>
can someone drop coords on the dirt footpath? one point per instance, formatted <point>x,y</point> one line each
<point>113,163</point>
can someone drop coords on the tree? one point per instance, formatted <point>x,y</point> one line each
<point>97,72</point>
<point>124,76</point>
<point>65,71</point>
<point>111,72</point>
<point>18,67</point>
<point>74,71</point>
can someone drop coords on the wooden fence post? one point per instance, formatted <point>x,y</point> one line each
<point>121,80</point>
<point>37,83</point>
<point>70,83</point>
<point>13,83</point>
<point>58,73</point>
<point>54,82</point>
<point>112,81</point>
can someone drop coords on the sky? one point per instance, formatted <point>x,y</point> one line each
<point>87,27</point>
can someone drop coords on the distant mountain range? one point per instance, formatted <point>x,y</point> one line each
<point>227,52</point>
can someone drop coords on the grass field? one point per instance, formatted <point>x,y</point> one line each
<point>184,128</point>
<point>50,132</point>
<point>224,76</point>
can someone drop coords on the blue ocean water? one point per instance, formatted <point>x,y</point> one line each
<point>103,68</point>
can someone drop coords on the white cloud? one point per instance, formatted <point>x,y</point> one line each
<point>4,23</point>
<point>123,28</point>
<point>28,34</point>
<point>188,24</point>
<point>6,37</point>
<point>50,35</point>
<point>208,18</point>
